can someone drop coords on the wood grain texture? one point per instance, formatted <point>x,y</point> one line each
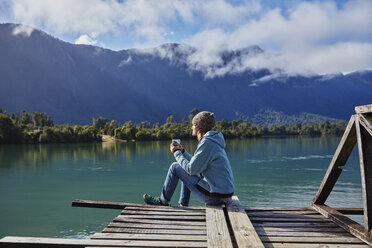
<point>339,159</point>
<point>153,237</point>
<point>217,231</point>
<point>365,160</point>
<point>244,232</point>
<point>344,222</point>
<point>363,109</point>
<point>56,242</point>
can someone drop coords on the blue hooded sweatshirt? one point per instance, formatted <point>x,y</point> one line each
<point>210,161</point>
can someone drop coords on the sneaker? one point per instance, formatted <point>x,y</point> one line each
<point>153,200</point>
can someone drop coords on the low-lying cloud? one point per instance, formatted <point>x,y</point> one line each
<point>23,30</point>
<point>308,37</point>
<point>86,40</point>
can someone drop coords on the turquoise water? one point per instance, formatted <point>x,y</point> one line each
<point>39,182</point>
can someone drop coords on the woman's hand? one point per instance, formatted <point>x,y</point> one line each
<point>175,148</point>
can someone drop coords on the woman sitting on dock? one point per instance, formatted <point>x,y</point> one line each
<point>207,174</point>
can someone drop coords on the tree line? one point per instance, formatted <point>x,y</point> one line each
<point>35,127</point>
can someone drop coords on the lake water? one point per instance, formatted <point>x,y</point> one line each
<point>39,182</point>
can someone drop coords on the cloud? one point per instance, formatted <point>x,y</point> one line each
<point>23,30</point>
<point>85,40</point>
<point>142,21</point>
<point>125,62</point>
<point>306,37</point>
<point>312,37</point>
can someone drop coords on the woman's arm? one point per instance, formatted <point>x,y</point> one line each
<point>199,162</point>
<point>187,155</point>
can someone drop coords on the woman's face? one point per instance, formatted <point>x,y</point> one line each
<point>195,130</point>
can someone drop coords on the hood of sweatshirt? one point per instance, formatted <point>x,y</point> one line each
<point>215,137</point>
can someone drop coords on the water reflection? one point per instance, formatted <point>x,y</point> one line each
<point>267,171</point>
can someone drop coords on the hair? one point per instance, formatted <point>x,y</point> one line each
<point>204,120</point>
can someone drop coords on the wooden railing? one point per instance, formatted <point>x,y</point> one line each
<point>358,131</point>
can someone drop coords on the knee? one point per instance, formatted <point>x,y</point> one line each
<point>173,167</point>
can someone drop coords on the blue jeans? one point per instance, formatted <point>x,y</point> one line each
<point>175,173</point>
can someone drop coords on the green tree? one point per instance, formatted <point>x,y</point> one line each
<point>9,132</point>
<point>111,128</point>
<point>128,131</point>
<point>26,118</point>
<point>100,123</point>
<point>192,113</point>
<point>41,120</point>
<point>163,135</point>
<point>46,136</point>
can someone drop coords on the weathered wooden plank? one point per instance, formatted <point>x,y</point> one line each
<point>257,209</point>
<point>98,204</point>
<point>295,224</point>
<point>155,237</point>
<point>161,209</point>
<point>350,211</point>
<point>344,222</point>
<point>168,231</point>
<point>175,226</point>
<point>284,215</point>
<point>303,234</point>
<point>339,159</point>
<point>244,232</point>
<point>365,160</point>
<point>299,219</point>
<point>217,231</point>
<point>281,212</point>
<point>313,245</point>
<point>122,205</point>
<point>363,109</point>
<point>123,218</point>
<point>164,217</point>
<point>57,242</point>
<point>331,240</point>
<point>300,229</point>
<point>133,212</point>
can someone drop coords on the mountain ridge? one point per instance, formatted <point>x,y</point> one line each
<point>75,83</point>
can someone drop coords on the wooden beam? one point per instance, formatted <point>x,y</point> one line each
<point>339,159</point>
<point>122,218</point>
<point>22,242</point>
<point>98,204</point>
<point>366,124</point>
<point>365,159</point>
<point>296,240</point>
<point>310,245</point>
<point>122,205</point>
<point>344,222</point>
<point>350,211</point>
<point>147,236</point>
<point>217,231</point>
<point>156,226</point>
<point>363,109</point>
<point>243,229</point>
<point>151,230</point>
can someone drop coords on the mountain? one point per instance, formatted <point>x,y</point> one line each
<point>75,83</point>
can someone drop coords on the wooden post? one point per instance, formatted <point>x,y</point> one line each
<point>365,157</point>
<point>339,159</point>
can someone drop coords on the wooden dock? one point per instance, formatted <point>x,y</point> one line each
<point>210,226</point>
<point>237,226</point>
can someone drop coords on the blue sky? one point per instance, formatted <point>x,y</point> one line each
<point>316,36</point>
